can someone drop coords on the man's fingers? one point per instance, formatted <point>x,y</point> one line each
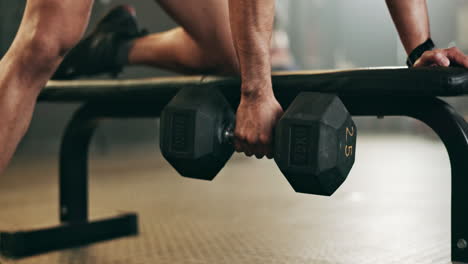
<point>443,57</point>
<point>264,145</point>
<point>238,147</point>
<point>247,145</point>
<point>263,150</point>
<point>251,146</point>
<point>258,145</point>
<point>430,58</point>
<point>239,142</point>
<point>457,57</point>
<point>248,153</point>
<point>269,151</point>
<point>246,148</point>
<point>259,151</point>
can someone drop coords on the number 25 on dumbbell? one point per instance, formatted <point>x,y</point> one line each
<point>349,148</point>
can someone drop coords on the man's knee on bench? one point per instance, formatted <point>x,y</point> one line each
<point>50,30</point>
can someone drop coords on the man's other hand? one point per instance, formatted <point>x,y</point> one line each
<point>443,57</point>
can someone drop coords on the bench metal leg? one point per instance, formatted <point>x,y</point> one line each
<point>452,130</point>
<point>76,229</point>
<point>18,244</point>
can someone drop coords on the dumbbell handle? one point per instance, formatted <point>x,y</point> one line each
<point>228,135</point>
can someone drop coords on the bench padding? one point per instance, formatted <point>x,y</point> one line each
<point>368,81</point>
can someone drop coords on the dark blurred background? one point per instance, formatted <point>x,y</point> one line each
<point>323,34</point>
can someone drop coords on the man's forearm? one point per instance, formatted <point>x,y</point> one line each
<point>411,20</point>
<point>251,24</point>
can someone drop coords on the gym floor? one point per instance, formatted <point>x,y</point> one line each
<point>394,208</point>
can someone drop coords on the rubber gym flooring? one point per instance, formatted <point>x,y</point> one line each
<point>394,208</point>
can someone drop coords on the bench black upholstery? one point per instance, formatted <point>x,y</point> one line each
<point>365,92</point>
<point>366,82</point>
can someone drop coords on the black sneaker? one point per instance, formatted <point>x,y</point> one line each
<point>106,49</point>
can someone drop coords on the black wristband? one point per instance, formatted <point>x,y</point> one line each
<point>418,52</point>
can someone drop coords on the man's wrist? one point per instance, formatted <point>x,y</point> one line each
<point>419,51</point>
<point>256,89</point>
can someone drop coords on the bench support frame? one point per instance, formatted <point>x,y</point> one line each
<point>76,229</point>
<point>452,130</point>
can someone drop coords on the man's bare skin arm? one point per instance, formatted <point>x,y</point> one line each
<point>251,25</point>
<point>412,22</point>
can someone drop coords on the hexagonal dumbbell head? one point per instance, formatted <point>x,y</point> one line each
<point>191,132</point>
<point>315,143</point>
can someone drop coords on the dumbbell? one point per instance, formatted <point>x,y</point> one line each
<point>314,141</point>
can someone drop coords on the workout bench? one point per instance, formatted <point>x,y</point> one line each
<point>365,92</point>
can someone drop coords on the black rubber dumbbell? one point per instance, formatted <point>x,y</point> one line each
<point>191,132</point>
<point>315,140</point>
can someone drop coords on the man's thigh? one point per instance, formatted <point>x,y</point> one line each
<point>207,21</point>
